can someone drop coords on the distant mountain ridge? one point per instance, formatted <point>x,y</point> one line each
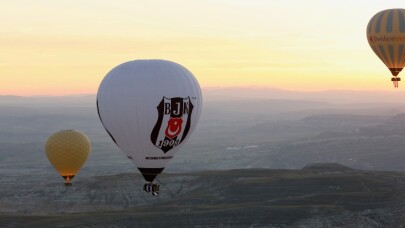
<point>333,96</point>
<point>260,93</point>
<point>327,167</point>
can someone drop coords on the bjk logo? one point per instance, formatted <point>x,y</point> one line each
<point>173,123</point>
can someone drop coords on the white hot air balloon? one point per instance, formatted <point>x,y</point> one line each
<point>149,108</point>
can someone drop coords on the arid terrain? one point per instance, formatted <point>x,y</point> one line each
<point>319,195</point>
<point>247,164</point>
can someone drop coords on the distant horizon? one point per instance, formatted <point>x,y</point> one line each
<point>212,88</point>
<point>254,94</point>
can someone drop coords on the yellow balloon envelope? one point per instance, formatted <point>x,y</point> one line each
<point>67,150</point>
<point>386,36</point>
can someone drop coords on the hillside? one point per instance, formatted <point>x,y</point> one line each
<point>317,196</point>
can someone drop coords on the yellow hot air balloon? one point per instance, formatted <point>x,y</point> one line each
<point>386,36</point>
<point>68,150</point>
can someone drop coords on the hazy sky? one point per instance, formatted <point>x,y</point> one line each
<point>67,47</point>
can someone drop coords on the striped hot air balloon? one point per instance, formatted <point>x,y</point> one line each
<point>386,36</point>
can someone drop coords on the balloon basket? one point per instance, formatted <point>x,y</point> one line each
<point>395,81</point>
<point>151,188</point>
<point>67,184</point>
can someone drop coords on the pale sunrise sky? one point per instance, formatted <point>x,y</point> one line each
<point>64,47</point>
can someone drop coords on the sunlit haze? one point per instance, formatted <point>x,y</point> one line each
<point>67,47</point>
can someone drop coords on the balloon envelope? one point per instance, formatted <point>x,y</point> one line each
<point>386,36</point>
<point>68,150</point>
<point>149,108</point>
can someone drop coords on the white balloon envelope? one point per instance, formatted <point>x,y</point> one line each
<point>149,108</point>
